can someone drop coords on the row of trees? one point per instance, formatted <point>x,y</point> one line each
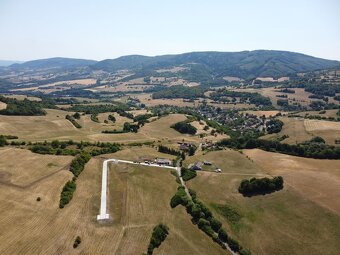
<point>310,149</point>
<point>159,234</point>
<point>73,121</point>
<point>260,186</point>
<point>204,219</point>
<point>78,163</point>
<point>66,147</point>
<point>167,150</point>
<point>67,192</point>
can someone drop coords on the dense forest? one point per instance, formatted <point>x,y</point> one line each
<point>180,92</point>
<point>223,95</point>
<point>25,107</point>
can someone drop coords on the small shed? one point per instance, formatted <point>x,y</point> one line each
<point>197,166</point>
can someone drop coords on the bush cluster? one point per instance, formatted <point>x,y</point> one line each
<point>187,174</point>
<point>77,241</point>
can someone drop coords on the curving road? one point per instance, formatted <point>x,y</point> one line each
<point>103,215</point>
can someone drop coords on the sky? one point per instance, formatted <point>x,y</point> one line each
<point>102,29</point>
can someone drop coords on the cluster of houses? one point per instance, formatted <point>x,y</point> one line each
<point>159,161</point>
<point>198,166</point>
<point>233,118</point>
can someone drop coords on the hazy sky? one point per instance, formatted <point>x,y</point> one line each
<point>100,29</point>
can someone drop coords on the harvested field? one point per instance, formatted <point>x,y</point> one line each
<point>2,106</point>
<point>295,129</point>
<point>322,125</point>
<point>46,229</point>
<point>317,180</point>
<point>30,168</point>
<point>22,97</point>
<point>55,126</point>
<point>285,222</point>
<point>265,113</point>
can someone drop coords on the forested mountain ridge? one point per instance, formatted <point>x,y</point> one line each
<point>244,64</point>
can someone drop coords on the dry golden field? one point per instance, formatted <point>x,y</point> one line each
<point>267,114</point>
<point>2,106</point>
<point>303,218</point>
<point>295,129</point>
<point>328,113</point>
<point>328,130</point>
<point>22,168</point>
<point>317,180</point>
<point>300,96</point>
<point>138,200</point>
<point>51,87</point>
<point>22,97</point>
<point>300,130</point>
<point>55,126</point>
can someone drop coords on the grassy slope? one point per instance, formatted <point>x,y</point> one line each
<point>285,222</point>
<point>139,199</point>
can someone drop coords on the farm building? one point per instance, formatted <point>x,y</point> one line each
<point>197,166</point>
<point>163,161</point>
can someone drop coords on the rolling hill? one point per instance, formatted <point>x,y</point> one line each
<point>50,63</point>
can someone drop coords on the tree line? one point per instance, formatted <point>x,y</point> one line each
<point>309,149</point>
<point>205,220</point>
<point>159,234</point>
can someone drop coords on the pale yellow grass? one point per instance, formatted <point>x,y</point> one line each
<point>322,125</point>
<point>295,129</point>
<point>55,126</point>
<point>317,180</point>
<point>22,167</point>
<point>267,114</point>
<point>133,190</point>
<point>280,222</point>
<point>328,130</point>
<point>2,106</point>
<point>22,97</point>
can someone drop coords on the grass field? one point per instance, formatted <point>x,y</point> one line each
<point>263,113</point>
<point>55,126</point>
<point>138,200</point>
<point>30,168</point>
<point>291,221</point>
<point>2,106</point>
<point>295,129</point>
<point>22,97</point>
<point>328,130</point>
<point>300,130</point>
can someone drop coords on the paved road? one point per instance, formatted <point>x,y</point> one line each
<point>103,215</point>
